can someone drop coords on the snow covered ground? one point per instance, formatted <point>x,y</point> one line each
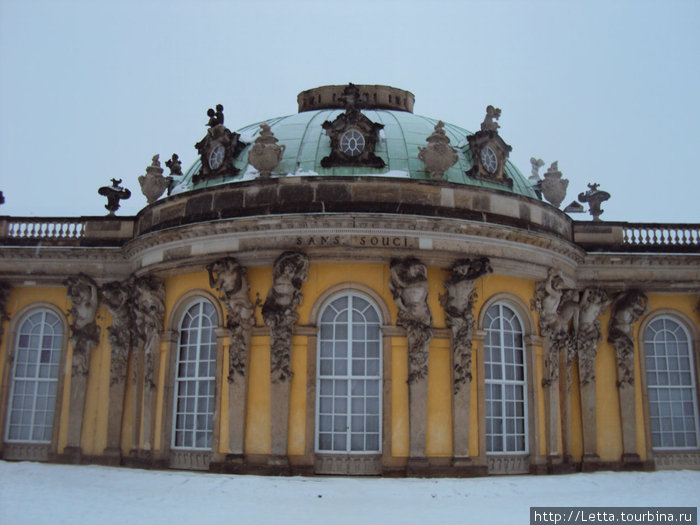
<point>33,493</point>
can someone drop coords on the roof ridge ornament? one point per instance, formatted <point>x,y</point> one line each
<point>153,183</point>
<point>266,154</point>
<point>438,156</point>
<point>219,148</point>
<point>492,115</point>
<point>594,197</point>
<point>553,186</point>
<point>489,151</point>
<point>353,136</point>
<point>114,194</point>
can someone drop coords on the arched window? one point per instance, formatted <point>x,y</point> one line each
<point>195,379</point>
<point>673,409</point>
<point>348,413</point>
<point>504,378</point>
<point>35,378</point>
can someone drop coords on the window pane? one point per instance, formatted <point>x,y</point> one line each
<point>671,385</point>
<point>505,385</point>
<point>34,378</point>
<point>353,368</point>
<point>195,377</point>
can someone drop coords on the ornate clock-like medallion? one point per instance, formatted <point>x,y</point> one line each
<point>352,143</point>
<point>489,160</point>
<point>216,157</point>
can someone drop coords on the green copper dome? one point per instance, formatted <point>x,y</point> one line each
<point>306,144</point>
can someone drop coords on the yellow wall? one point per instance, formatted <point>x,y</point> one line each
<point>322,277</point>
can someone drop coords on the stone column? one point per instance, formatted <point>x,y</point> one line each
<point>279,313</point>
<point>148,306</point>
<point>479,368</point>
<point>409,287</point>
<point>593,303</point>
<point>627,309</point>
<point>85,336</point>
<point>237,403</point>
<point>229,279</point>
<point>121,334</point>
<point>548,296</point>
<point>152,357</point>
<point>550,384</point>
<point>458,303</point>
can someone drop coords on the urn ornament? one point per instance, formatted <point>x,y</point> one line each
<point>438,156</point>
<point>266,154</point>
<point>153,183</point>
<point>553,186</point>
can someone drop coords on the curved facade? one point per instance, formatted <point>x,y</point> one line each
<point>343,291</point>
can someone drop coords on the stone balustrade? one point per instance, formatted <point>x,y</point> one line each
<point>44,228</point>
<point>65,231</point>
<point>637,237</point>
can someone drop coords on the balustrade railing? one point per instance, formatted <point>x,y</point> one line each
<point>661,235</point>
<point>45,228</point>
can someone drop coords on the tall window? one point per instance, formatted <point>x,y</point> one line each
<point>194,377</point>
<point>504,378</point>
<point>349,377</point>
<point>35,378</point>
<point>671,385</point>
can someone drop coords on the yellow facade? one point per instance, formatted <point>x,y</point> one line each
<point>323,277</point>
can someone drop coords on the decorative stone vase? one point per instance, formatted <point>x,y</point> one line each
<point>153,184</point>
<point>438,156</point>
<point>553,186</point>
<point>266,154</point>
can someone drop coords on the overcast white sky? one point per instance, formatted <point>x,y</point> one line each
<point>90,91</point>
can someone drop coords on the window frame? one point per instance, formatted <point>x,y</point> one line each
<point>692,341</point>
<point>176,380</point>
<point>503,382</point>
<point>350,294</point>
<point>31,451</point>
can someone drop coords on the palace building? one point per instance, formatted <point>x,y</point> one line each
<point>352,289</point>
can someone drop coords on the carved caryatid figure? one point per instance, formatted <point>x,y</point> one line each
<point>458,303</point>
<point>279,311</point>
<point>229,279</point>
<point>627,309</point>
<point>548,294</point>
<point>85,334</point>
<point>265,154</point>
<point>409,286</point>
<point>117,300</point>
<point>438,156</point>
<point>149,311</point>
<point>593,302</point>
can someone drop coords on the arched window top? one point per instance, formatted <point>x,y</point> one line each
<point>350,288</point>
<point>195,376</point>
<point>186,301</point>
<point>513,304</point>
<point>671,383</point>
<point>505,381</point>
<point>34,381</point>
<point>349,372</point>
